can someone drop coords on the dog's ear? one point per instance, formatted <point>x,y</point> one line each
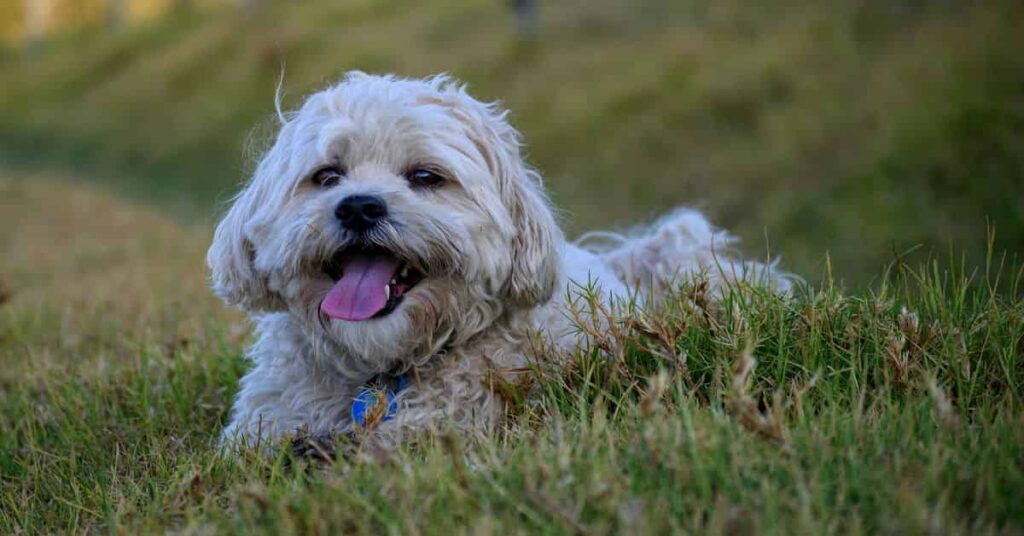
<point>232,257</point>
<point>535,256</point>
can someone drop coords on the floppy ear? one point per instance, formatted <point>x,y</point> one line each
<point>535,257</point>
<point>232,256</point>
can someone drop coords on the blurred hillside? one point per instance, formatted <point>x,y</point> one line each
<point>864,129</point>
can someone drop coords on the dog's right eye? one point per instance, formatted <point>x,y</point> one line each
<point>327,177</point>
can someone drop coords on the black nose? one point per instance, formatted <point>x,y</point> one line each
<point>360,212</point>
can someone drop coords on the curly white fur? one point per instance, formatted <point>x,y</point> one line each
<point>496,263</point>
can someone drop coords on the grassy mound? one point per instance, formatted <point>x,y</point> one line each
<point>897,411</point>
<point>865,129</point>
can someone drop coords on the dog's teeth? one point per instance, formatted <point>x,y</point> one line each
<point>405,271</point>
<point>387,292</point>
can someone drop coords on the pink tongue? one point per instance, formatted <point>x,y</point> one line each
<point>361,291</point>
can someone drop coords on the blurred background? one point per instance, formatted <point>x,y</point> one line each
<point>859,131</point>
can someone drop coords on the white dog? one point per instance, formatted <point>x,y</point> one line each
<point>394,248</point>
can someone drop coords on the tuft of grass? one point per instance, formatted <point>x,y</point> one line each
<point>896,410</point>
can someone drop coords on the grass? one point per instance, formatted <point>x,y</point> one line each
<point>892,411</point>
<point>791,122</point>
<point>883,399</point>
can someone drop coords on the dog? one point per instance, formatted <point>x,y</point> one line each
<point>393,248</point>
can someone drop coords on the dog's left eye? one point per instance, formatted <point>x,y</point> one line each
<point>327,177</point>
<point>424,177</point>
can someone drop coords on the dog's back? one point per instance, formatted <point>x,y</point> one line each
<point>678,246</point>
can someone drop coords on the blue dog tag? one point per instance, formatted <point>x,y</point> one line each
<point>370,397</point>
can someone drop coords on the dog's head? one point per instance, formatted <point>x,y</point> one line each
<point>390,216</point>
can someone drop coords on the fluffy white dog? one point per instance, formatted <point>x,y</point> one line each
<point>394,248</point>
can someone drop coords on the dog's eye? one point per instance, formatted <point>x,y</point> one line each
<point>424,177</point>
<point>327,177</point>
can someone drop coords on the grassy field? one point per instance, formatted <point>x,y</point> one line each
<point>887,397</point>
<point>865,129</point>
<point>896,411</point>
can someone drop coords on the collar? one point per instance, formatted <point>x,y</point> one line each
<point>382,389</point>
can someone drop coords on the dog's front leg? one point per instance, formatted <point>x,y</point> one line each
<point>282,399</point>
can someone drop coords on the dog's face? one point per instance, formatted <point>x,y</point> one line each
<point>391,217</point>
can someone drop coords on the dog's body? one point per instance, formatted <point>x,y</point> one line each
<point>291,389</point>
<point>393,229</point>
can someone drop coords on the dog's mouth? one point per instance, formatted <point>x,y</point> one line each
<point>368,283</point>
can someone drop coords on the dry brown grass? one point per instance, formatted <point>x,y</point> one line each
<point>83,271</point>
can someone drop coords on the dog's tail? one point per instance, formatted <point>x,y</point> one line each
<point>681,245</point>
